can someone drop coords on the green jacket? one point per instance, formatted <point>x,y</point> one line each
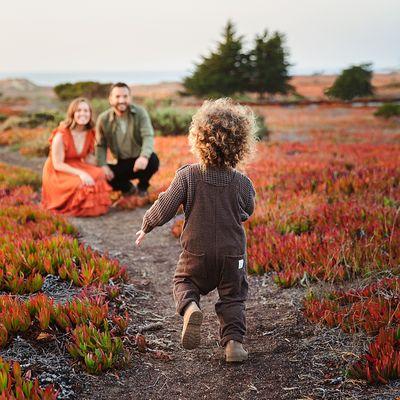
<point>139,125</point>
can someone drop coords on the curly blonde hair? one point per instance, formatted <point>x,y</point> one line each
<point>222,133</point>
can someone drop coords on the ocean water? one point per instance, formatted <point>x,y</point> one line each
<point>130,77</point>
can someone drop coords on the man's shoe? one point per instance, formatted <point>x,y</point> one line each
<point>131,191</point>
<point>192,320</point>
<point>234,352</point>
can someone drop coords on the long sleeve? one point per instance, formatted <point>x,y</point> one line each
<point>246,199</point>
<point>100,144</point>
<point>166,206</point>
<point>147,134</point>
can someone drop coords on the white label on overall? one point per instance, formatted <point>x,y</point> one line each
<point>241,263</point>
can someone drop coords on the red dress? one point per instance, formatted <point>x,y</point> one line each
<point>63,192</point>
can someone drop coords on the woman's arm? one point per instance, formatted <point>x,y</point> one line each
<point>90,159</point>
<point>58,157</point>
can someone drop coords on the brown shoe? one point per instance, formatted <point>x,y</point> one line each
<point>192,320</point>
<point>234,352</point>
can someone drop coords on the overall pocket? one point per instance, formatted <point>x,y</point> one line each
<point>191,265</point>
<point>234,276</point>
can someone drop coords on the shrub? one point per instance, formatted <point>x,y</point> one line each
<point>14,122</point>
<point>99,105</point>
<point>352,82</point>
<point>38,147</point>
<point>18,136</point>
<point>45,118</point>
<point>388,110</point>
<point>262,131</point>
<point>69,91</point>
<point>171,121</point>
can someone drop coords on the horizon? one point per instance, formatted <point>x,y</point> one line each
<point>143,77</point>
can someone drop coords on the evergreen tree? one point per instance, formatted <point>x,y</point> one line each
<point>267,67</point>
<point>352,82</point>
<point>221,73</point>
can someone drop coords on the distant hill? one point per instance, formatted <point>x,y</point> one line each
<point>20,85</point>
<point>23,95</point>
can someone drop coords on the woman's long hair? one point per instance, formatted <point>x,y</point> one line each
<point>69,122</point>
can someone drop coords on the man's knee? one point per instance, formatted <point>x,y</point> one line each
<point>154,163</point>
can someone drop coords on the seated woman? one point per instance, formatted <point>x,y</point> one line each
<point>72,184</point>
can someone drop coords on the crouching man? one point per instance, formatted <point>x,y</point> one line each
<point>125,129</point>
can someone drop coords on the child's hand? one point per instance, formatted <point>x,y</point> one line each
<point>140,236</point>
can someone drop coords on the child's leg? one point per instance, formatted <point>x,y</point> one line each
<point>189,283</point>
<point>185,291</point>
<point>189,280</point>
<point>230,308</point>
<point>187,298</point>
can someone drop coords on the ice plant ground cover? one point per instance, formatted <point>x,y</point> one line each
<point>374,309</point>
<point>34,244</point>
<point>324,211</point>
<point>14,385</point>
<point>328,211</point>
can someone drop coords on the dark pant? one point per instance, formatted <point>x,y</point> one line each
<point>123,173</point>
<point>198,275</point>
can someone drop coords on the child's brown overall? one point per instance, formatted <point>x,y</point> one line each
<point>214,256</point>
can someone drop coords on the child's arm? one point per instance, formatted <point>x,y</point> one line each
<point>164,208</point>
<point>246,199</point>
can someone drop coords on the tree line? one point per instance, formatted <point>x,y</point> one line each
<point>229,69</point>
<point>264,69</point>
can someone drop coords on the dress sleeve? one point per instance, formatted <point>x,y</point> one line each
<point>91,139</point>
<point>64,138</point>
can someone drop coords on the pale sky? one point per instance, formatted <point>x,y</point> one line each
<point>98,35</point>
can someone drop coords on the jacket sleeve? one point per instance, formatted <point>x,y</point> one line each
<point>167,204</point>
<point>100,144</point>
<point>147,134</point>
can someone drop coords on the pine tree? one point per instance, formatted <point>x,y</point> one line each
<point>221,73</point>
<point>267,67</point>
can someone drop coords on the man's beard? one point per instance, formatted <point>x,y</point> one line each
<point>122,106</point>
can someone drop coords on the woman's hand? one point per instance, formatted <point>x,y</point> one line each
<point>107,172</point>
<point>86,179</point>
<point>140,236</point>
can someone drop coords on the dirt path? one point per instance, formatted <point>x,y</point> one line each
<point>200,373</point>
<point>289,358</point>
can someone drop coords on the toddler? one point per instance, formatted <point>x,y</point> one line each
<point>217,199</point>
